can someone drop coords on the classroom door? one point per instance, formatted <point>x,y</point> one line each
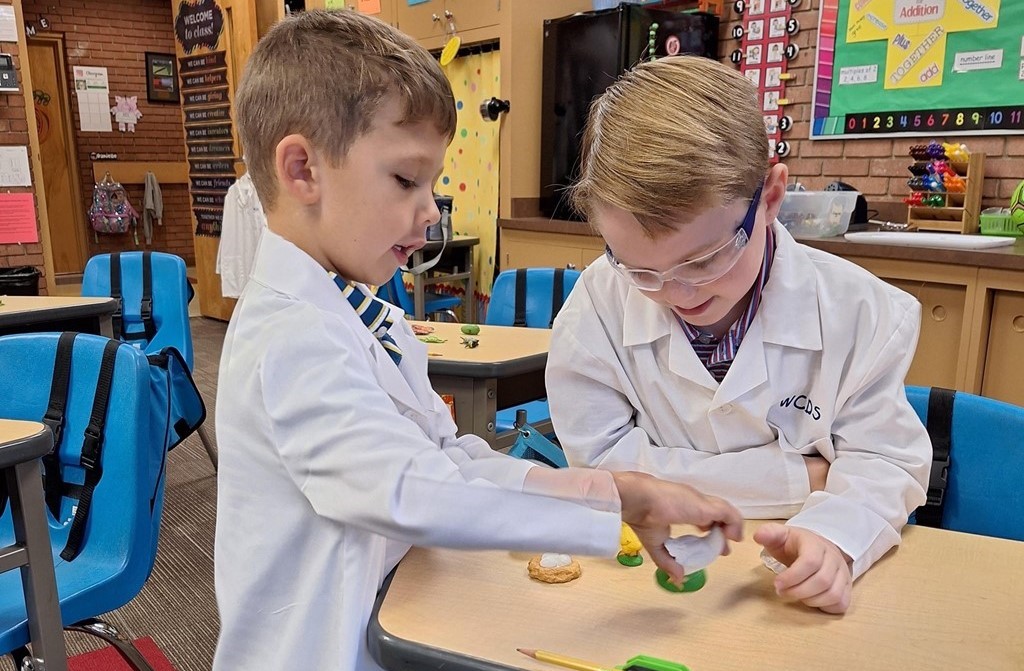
<point>58,155</point>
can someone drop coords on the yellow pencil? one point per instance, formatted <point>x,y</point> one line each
<point>562,660</point>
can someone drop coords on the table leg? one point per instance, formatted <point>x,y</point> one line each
<point>106,325</point>
<point>476,403</point>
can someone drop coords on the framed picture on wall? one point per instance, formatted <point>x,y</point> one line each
<point>161,78</point>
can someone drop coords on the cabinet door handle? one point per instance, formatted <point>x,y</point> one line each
<point>571,266</point>
<point>448,14</point>
<point>435,18</point>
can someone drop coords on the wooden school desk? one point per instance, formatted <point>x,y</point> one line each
<point>456,265</point>
<point>505,369</point>
<point>943,600</point>
<point>36,314</point>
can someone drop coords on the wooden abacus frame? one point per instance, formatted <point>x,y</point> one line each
<point>960,215</point>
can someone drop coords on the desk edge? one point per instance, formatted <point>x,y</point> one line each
<point>392,652</point>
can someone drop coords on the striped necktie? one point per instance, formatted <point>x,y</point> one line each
<point>375,315</point>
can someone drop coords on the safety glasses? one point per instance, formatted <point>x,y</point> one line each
<point>699,271</point>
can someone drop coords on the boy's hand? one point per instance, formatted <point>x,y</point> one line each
<point>650,505</point>
<point>817,472</point>
<point>818,574</point>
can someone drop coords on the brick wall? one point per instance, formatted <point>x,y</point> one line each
<point>117,36</point>
<point>14,131</point>
<point>877,167</point>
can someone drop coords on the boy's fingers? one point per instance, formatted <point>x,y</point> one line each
<point>729,518</point>
<point>667,563</point>
<point>833,595</point>
<point>773,537</point>
<point>805,566</point>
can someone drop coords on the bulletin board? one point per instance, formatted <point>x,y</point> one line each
<point>919,67</point>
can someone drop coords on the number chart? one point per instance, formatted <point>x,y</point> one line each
<point>919,68</point>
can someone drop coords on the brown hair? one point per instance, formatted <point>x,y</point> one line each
<point>324,75</point>
<point>671,138</point>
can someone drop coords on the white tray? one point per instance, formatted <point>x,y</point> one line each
<point>941,240</point>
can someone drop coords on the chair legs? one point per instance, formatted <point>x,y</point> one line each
<point>124,647</point>
<point>211,449</point>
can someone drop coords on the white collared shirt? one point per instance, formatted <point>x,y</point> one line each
<point>820,372</point>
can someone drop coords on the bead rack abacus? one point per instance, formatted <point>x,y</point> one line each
<point>958,211</point>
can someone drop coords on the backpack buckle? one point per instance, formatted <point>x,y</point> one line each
<point>56,425</point>
<point>147,308</point>
<point>937,482</point>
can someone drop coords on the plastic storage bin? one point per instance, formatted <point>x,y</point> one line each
<point>997,221</point>
<point>817,214</point>
<point>21,281</point>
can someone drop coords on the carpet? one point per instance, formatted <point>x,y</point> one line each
<point>107,659</point>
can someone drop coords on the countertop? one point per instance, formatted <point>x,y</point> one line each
<point>1008,258</point>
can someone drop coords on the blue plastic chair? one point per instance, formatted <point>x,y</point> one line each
<point>171,294</point>
<point>119,546</point>
<point>538,306</point>
<point>985,478</point>
<point>394,292</point>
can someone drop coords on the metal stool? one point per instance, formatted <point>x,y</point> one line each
<point>21,446</point>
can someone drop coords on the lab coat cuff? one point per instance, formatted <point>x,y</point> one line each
<point>860,533</point>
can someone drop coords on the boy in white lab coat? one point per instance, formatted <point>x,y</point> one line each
<point>335,454</point>
<point>708,347</point>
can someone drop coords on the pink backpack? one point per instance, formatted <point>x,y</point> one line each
<point>110,211</point>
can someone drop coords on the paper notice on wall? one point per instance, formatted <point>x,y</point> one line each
<point>368,6</point>
<point>93,92</point>
<point>8,25</point>
<point>17,219</point>
<point>335,4</point>
<point>14,167</point>
<point>858,74</point>
<point>965,61</point>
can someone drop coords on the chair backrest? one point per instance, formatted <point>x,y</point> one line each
<point>170,294</point>
<point>394,292</point>
<point>119,545</point>
<point>536,287</point>
<point>985,490</point>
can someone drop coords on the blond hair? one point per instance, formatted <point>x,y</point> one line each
<point>324,75</point>
<point>672,138</point>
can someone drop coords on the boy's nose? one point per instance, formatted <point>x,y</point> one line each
<point>431,215</point>
<point>677,294</point>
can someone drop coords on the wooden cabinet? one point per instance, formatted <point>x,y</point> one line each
<point>533,249</point>
<point>430,19</point>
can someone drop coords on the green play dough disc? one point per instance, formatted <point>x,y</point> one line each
<point>630,560</point>
<point>691,583</point>
<point>470,329</point>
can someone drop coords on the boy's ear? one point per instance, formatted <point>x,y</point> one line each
<point>774,191</point>
<point>295,162</point>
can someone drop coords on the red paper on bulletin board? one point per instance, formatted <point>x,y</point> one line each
<point>17,218</point>
<point>368,6</point>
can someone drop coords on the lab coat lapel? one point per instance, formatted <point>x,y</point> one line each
<point>646,321</point>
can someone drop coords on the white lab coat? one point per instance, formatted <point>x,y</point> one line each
<point>333,461</point>
<point>819,372</point>
<point>241,227</point>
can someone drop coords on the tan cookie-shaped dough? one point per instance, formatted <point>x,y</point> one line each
<point>554,574</point>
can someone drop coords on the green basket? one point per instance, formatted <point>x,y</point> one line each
<point>997,221</point>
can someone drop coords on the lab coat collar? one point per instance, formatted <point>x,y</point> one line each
<point>789,314</point>
<point>283,267</point>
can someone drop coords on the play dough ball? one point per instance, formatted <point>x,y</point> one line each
<point>470,329</point>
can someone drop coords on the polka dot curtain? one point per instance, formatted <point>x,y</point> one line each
<point>471,166</point>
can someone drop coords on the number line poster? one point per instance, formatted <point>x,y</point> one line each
<point>919,67</point>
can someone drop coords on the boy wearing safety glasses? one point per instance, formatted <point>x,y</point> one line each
<point>710,348</point>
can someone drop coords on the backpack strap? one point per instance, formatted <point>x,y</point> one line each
<point>940,425</point>
<point>520,305</point>
<point>54,418</point>
<point>92,449</point>
<point>557,294</point>
<point>147,295</point>
<point>115,292</point>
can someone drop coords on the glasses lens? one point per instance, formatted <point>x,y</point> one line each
<point>645,279</point>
